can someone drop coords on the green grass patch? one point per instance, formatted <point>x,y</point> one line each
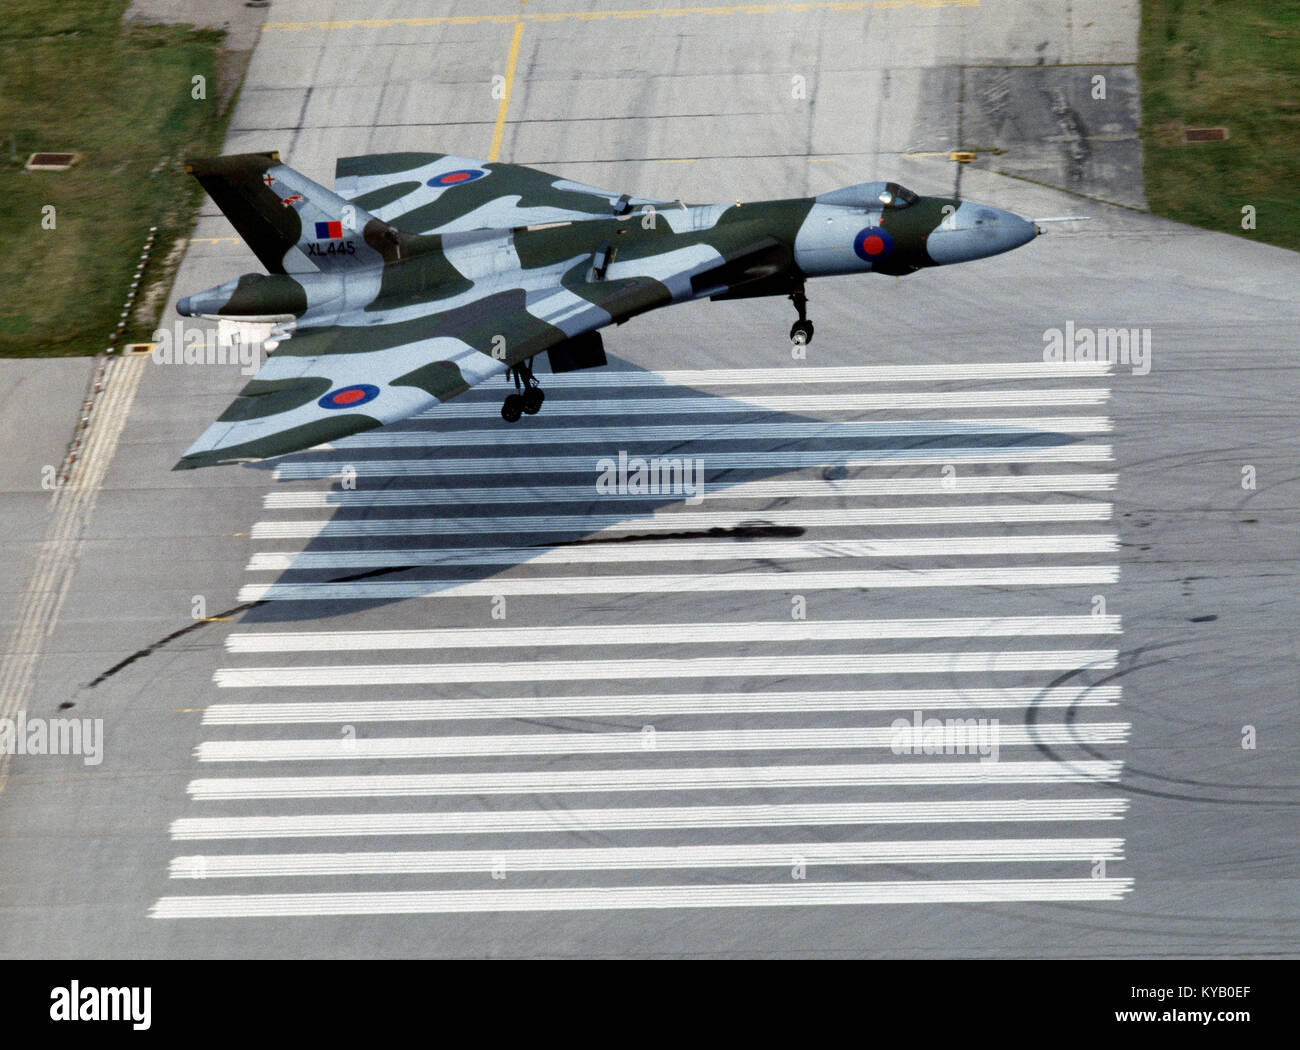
<point>74,78</point>
<point>1232,64</point>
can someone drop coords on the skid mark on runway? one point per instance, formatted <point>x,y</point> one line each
<point>735,756</point>
<point>225,616</point>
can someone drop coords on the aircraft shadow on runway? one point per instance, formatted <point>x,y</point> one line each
<point>420,511</point>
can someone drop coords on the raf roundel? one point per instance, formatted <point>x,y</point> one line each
<point>456,178</point>
<point>349,396</point>
<point>873,243</point>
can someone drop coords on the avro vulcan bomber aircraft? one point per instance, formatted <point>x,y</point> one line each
<point>422,275</point>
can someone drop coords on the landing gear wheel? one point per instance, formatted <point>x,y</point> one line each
<point>528,396</point>
<point>801,332</point>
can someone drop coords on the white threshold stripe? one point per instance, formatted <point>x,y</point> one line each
<point>999,576</point>
<point>795,375</point>
<point>614,898</point>
<point>687,551</point>
<point>781,488</point>
<point>922,454</point>
<point>694,778</point>
<point>802,814</point>
<point>987,513</point>
<point>625,858</point>
<point>289,712</point>
<point>671,404</point>
<point>965,739</point>
<point>633,670</point>
<point>685,633</point>
<point>841,429</point>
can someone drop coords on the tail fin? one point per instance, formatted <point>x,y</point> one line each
<point>292,224</point>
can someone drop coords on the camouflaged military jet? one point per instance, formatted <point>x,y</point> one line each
<point>422,275</point>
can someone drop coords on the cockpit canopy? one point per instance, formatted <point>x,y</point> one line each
<point>896,196</point>
<point>871,195</point>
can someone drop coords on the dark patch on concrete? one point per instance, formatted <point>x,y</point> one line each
<point>1044,124</point>
<point>1052,130</point>
<point>936,125</point>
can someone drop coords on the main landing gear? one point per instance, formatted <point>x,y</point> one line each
<point>528,396</point>
<point>801,332</point>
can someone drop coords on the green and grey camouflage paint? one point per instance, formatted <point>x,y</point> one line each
<point>423,274</point>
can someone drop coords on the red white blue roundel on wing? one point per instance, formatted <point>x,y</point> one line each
<point>873,243</point>
<point>349,396</point>
<point>456,178</point>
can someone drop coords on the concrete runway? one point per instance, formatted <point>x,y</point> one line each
<point>649,755</point>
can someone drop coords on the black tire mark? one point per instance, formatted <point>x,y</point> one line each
<point>236,610</point>
<point>1031,718</point>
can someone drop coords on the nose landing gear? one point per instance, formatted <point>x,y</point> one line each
<point>801,332</point>
<point>528,397</point>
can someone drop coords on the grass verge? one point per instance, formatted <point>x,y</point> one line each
<point>74,78</point>
<point>1223,63</point>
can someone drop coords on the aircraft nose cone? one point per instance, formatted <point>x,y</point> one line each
<point>1017,229</point>
<point>206,304</point>
<point>976,231</point>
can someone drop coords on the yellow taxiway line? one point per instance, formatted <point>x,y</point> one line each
<point>513,58</point>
